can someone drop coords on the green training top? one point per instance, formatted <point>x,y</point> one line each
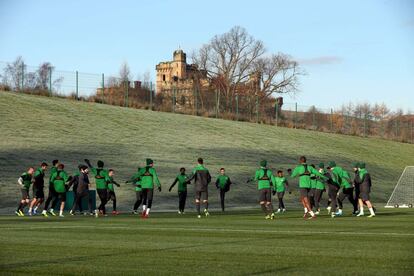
<point>100,177</point>
<point>320,183</point>
<point>362,173</point>
<point>341,177</point>
<point>52,171</point>
<point>27,180</point>
<point>109,180</point>
<point>136,181</point>
<point>313,181</point>
<point>182,182</point>
<point>59,178</point>
<point>304,171</point>
<point>222,181</point>
<point>279,183</point>
<point>148,177</point>
<point>263,177</point>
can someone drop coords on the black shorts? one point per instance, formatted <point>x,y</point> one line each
<point>25,194</point>
<point>364,192</point>
<point>312,192</point>
<point>201,195</point>
<point>305,192</point>
<point>265,195</point>
<point>62,196</point>
<point>38,193</point>
<point>280,195</point>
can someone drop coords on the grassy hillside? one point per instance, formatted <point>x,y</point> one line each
<point>33,129</point>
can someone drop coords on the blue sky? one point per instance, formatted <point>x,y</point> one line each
<point>359,51</point>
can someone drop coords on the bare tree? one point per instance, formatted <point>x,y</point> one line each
<point>125,72</point>
<point>229,58</point>
<point>43,75</point>
<point>277,74</point>
<point>14,73</point>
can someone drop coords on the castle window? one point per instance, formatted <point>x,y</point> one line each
<point>163,77</point>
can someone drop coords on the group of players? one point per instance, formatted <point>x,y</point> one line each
<point>313,182</point>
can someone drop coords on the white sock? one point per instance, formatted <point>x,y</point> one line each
<point>51,210</point>
<point>30,210</point>
<point>312,213</point>
<point>306,210</point>
<point>371,211</point>
<point>44,212</point>
<point>61,212</point>
<point>36,208</point>
<point>148,210</point>
<point>144,207</point>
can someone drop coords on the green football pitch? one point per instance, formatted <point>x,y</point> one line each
<point>235,243</point>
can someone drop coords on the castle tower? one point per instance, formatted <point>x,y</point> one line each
<point>179,64</point>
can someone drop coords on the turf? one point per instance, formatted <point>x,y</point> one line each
<point>34,128</point>
<point>235,243</point>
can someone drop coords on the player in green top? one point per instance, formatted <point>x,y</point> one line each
<point>101,176</point>
<point>263,176</point>
<point>365,189</point>
<point>52,193</point>
<point>148,177</point>
<point>24,181</point>
<point>136,181</point>
<point>111,190</point>
<point>280,185</point>
<point>311,194</point>
<point>38,186</point>
<point>303,171</point>
<point>223,183</point>
<point>182,180</point>
<point>320,187</point>
<point>59,179</point>
<point>342,178</point>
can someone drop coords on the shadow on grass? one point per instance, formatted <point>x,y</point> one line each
<point>85,258</point>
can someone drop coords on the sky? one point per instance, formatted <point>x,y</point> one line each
<point>351,51</point>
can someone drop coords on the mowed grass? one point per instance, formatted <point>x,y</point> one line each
<point>235,243</point>
<point>33,129</point>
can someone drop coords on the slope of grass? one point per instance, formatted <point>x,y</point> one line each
<point>33,129</point>
<point>230,244</point>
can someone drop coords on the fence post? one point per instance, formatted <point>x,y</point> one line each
<point>217,104</point>
<point>296,114</point>
<point>22,84</point>
<point>77,85</point>
<point>196,101</point>
<point>257,109</point>
<point>277,113</point>
<point>103,89</point>
<point>331,120</point>
<point>237,106</point>
<point>173,100</point>
<point>151,95</point>
<point>313,118</point>
<point>126,93</point>
<point>50,81</point>
<point>365,125</point>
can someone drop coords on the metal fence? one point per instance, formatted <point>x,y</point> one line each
<point>106,89</point>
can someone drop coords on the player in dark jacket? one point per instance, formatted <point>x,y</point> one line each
<point>202,178</point>
<point>38,189</point>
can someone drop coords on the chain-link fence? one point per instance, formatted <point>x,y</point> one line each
<point>47,81</point>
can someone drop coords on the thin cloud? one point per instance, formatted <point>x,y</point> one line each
<point>322,60</point>
<point>408,23</point>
